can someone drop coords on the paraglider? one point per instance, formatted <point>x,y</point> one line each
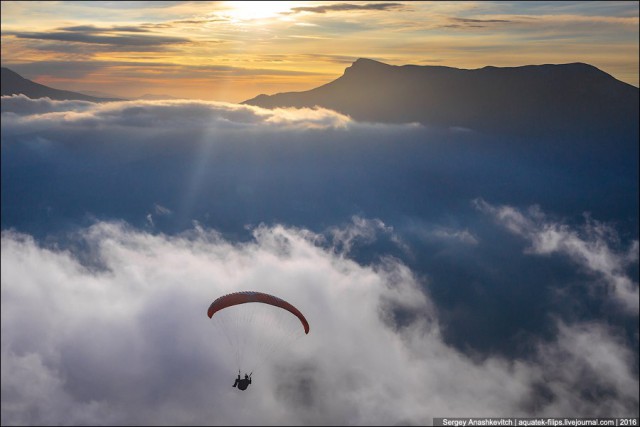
<point>244,383</point>
<point>252,296</point>
<point>256,330</point>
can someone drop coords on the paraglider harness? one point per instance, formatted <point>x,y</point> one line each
<point>242,384</point>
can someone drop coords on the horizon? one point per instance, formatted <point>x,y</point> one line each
<point>164,96</point>
<point>234,51</point>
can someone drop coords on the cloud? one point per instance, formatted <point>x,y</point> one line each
<point>478,21</point>
<point>344,7</point>
<point>22,105</point>
<point>298,58</point>
<point>45,393</point>
<point>362,231</point>
<point>462,236</point>
<point>567,19</point>
<point>95,29</point>
<point>411,296</point>
<point>158,211</point>
<point>586,352</point>
<point>458,22</point>
<point>435,232</point>
<point>130,343</point>
<point>161,210</point>
<point>95,35</point>
<point>25,113</point>
<point>593,247</point>
<point>118,71</point>
<point>138,41</point>
<point>372,191</point>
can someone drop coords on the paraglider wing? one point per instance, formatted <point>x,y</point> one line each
<point>251,296</point>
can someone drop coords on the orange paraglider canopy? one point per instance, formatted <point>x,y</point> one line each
<point>252,296</point>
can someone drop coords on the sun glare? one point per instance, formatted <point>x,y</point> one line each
<point>249,10</point>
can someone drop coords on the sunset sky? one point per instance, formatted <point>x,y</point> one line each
<point>233,51</point>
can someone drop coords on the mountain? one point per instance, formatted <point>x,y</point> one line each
<point>13,83</point>
<point>527,100</point>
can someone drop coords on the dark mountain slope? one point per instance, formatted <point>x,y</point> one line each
<point>13,84</point>
<point>529,100</point>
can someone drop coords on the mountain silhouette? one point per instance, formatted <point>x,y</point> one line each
<point>528,100</point>
<point>13,84</point>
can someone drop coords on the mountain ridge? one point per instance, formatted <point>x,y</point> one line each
<point>13,83</point>
<point>528,99</point>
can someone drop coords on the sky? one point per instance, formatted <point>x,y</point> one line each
<point>233,51</point>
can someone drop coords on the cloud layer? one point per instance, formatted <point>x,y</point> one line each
<point>130,342</point>
<point>431,287</point>
<point>592,247</point>
<point>345,7</point>
<point>25,113</point>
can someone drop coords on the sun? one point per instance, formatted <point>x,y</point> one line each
<point>250,10</point>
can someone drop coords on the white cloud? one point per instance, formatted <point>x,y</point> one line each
<point>130,343</point>
<point>587,351</point>
<point>29,385</point>
<point>364,231</point>
<point>23,105</point>
<point>161,210</point>
<point>462,236</point>
<point>429,232</point>
<point>592,247</point>
<point>125,340</point>
<point>43,113</point>
<point>158,210</point>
